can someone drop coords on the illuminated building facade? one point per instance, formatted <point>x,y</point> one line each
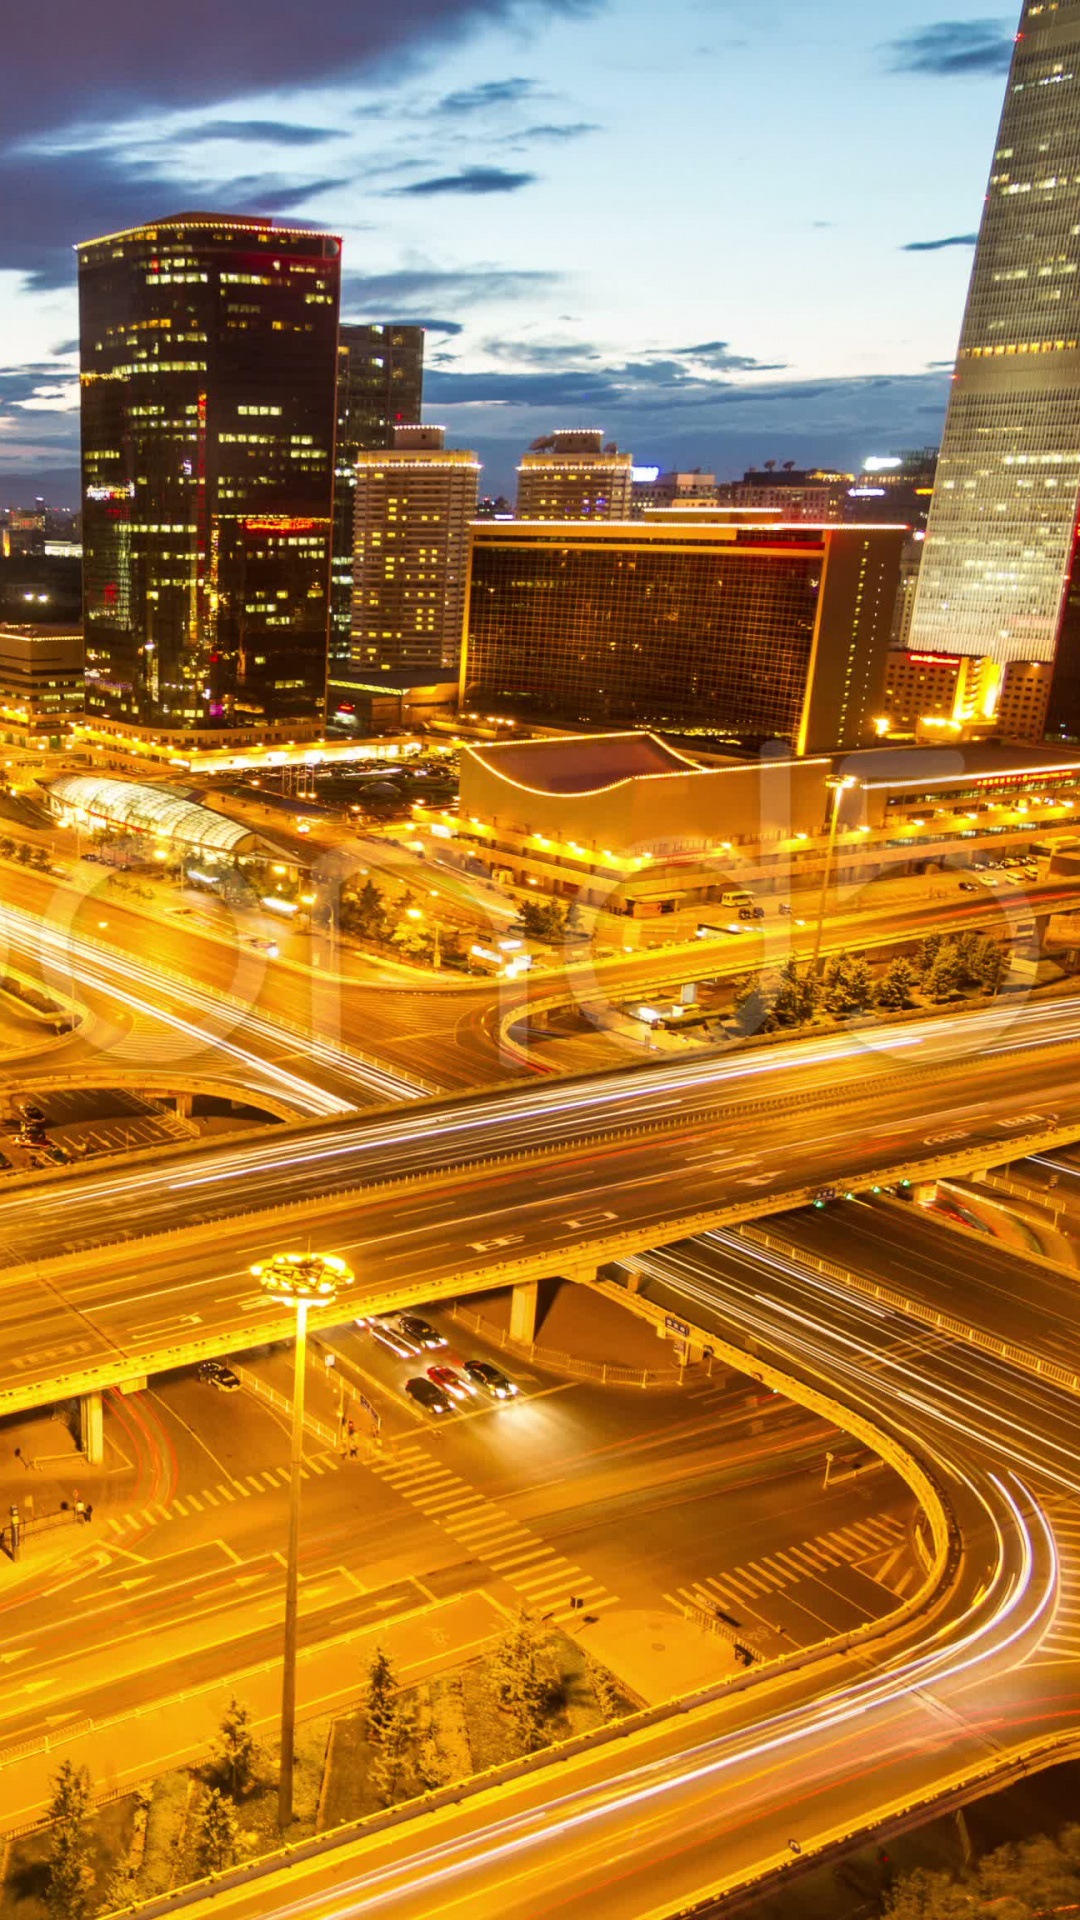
<point>1000,544</point>
<point>414,505</point>
<point>380,387</point>
<point>41,681</point>
<point>575,475</point>
<point>208,349</point>
<point>754,633</point>
<point>815,493</point>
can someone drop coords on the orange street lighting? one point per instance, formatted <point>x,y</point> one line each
<point>299,1280</point>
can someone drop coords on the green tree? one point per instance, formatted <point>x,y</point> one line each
<point>896,986</point>
<point>543,919</point>
<point>861,982</point>
<point>71,1878</point>
<point>382,1687</point>
<point>797,995</point>
<point>840,989</point>
<point>365,912</point>
<point>993,968</point>
<point>26,852</point>
<point>392,1753</point>
<point>604,1689</point>
<point>41,859</point>
<point>235,1749</point>
<point>217,1834</point>
<point>432,1765</point>
<point>574,922</point>
<point>943,981</point>
<point>122,1888</point>
<point>7,847</point>
<point>752,1005</point>
<point>522,1687</point>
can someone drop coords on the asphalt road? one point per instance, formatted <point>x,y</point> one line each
<point>650,1824</point>
<point>620,1496</point>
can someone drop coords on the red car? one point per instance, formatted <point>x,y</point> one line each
<point>450,1382</point>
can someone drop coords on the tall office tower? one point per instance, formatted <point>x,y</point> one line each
<point>750,632</point>
<point>574,475</point>
<point>380,386</point>
<point>1001,540</point>
<point>209,360</point>
<point>414,504</point>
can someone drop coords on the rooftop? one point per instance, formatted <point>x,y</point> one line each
<point>581,762</point>
<point>157,810</point>
<point>944,765</point>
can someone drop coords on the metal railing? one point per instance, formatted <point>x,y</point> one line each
<point>608,1372</point>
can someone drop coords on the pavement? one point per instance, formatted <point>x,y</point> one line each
<point>572,1319</point>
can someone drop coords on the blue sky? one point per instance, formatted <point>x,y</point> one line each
<point>723,233</point>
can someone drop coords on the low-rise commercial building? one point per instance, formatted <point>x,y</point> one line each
<point>41,682</point>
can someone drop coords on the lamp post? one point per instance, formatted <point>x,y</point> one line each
<point>301,1280</point>
<point>838,785</point>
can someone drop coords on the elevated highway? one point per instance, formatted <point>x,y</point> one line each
<point>118,1274</point>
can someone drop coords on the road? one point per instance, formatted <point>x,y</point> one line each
<point>651,1823</point>
<point>572,1490</point>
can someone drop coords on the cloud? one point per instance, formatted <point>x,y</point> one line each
<point>469,180</point>
<point>953,48</point>
<point>410,291</point>
<point>718,355</point>
<point>937,246</point>
<point>154,57</point>
<point>550,130</point>
<point>277,133</point>
<point>557,376</point>
<point>490,93</point>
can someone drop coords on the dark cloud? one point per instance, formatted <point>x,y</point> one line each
<point>491,93</point>
<point>278,133</point>
<point>73,69</point>
<point>549,130</point>
<point>64,198</point>
<point>954,47</point>
<point>718,354</point>
<point>407,294</point>
<point>469,180</point>
<point>937,246</point>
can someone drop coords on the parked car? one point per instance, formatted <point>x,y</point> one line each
<point>970,886</point>
<point>490,1378</point>
<point>419,1330</point>
<point>217,1374</point>
<point>428,1395</point>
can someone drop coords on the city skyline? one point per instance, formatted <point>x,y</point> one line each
<point>450,163</point>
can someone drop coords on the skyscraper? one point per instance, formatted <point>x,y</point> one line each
<point>208,348</point>
<point>380,386</point>
<point>1000,544</point>
<point>573,475</point>
<point>414,503</point>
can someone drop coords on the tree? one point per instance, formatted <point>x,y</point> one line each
<point>543,919</point>
<point>396,1740</point>
<point>929,947</point>
<point>71,1878</point>
<point>604,1689</point>
<point>122,1888</point>
<point>7,847</point>
<point>752,1005</point>
<point>236,1749</point>
<point>574,922</point>
<point>26,852</point>
<point>432,1765</point>
<point>861,982</point>
<point>217,1836</point>
<point>365,912</point>
<point>41,859</point>
<point>994,968</point>
<point>943,982</point>
<point>523,1690</point>
<point>896,986</point>
<point>841,987</point>
<point>382,1687</point>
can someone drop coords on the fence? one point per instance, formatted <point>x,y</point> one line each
<point>605,1371</point>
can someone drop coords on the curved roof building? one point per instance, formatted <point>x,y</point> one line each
<point>157,811</point>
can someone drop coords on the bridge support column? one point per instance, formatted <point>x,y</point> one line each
<point>183,1103</point>
<point>523,1311</point>
<point>92,1429</point>
<point>924,1193</point>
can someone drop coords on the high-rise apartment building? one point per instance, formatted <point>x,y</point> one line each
<point>1001,540</point>
<point>414,504</point>
<point>209,358</point>
<point>380,386</point>
<point>753,633</point>
<point>574,475</point>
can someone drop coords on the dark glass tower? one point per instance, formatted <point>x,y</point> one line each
<point>380,387</point>
<point>209,351</point>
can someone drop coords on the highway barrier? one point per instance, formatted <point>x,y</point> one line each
<point>608,1372</point>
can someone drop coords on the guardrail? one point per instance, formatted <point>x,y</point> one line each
<point>608,1372</point>
<point>1023,1357</point>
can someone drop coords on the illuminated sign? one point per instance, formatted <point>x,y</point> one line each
<point>882,463</point>
<point>866,493</point>
<point>112,493</point>
<point>644,476</point>
<point>937,659</point>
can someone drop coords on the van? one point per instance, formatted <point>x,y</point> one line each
<point>738,897</point>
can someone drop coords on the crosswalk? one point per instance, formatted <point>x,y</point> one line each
<point>544,1580</point>
<point>222,1493</point>
<point>878,1547</point>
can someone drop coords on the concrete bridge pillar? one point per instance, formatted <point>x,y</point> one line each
<point>924,1193</point>
<point>92,1429</point>
<point>523,1311</point>
<point>183,1103</point>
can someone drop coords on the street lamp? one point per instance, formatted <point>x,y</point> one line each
<point>838,785</point>
<point>300,1280</point>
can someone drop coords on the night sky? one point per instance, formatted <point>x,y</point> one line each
<point>722,232</point>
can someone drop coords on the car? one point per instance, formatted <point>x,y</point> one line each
<point>970,886</point>
<point>411,1325</point>
<point>391,1336</point>
<point>490,1378</point>
<point>751,913</point>
<point>30,1111</point>
<point>269,947</point>
<point>450,1382</point>
<point>428,1395</point>
<point>217,1374</point>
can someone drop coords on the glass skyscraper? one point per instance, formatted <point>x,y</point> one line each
<point>1001,539</point>
<point>208,364</point>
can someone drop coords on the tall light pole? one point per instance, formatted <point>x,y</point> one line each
<point>302,1280</point>
<point>838,785</point>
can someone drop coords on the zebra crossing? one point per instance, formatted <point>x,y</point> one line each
<point>544,1580</point>
<point>1062,1640</point>
<point>222,1493</point>
<point>877,1547</point>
